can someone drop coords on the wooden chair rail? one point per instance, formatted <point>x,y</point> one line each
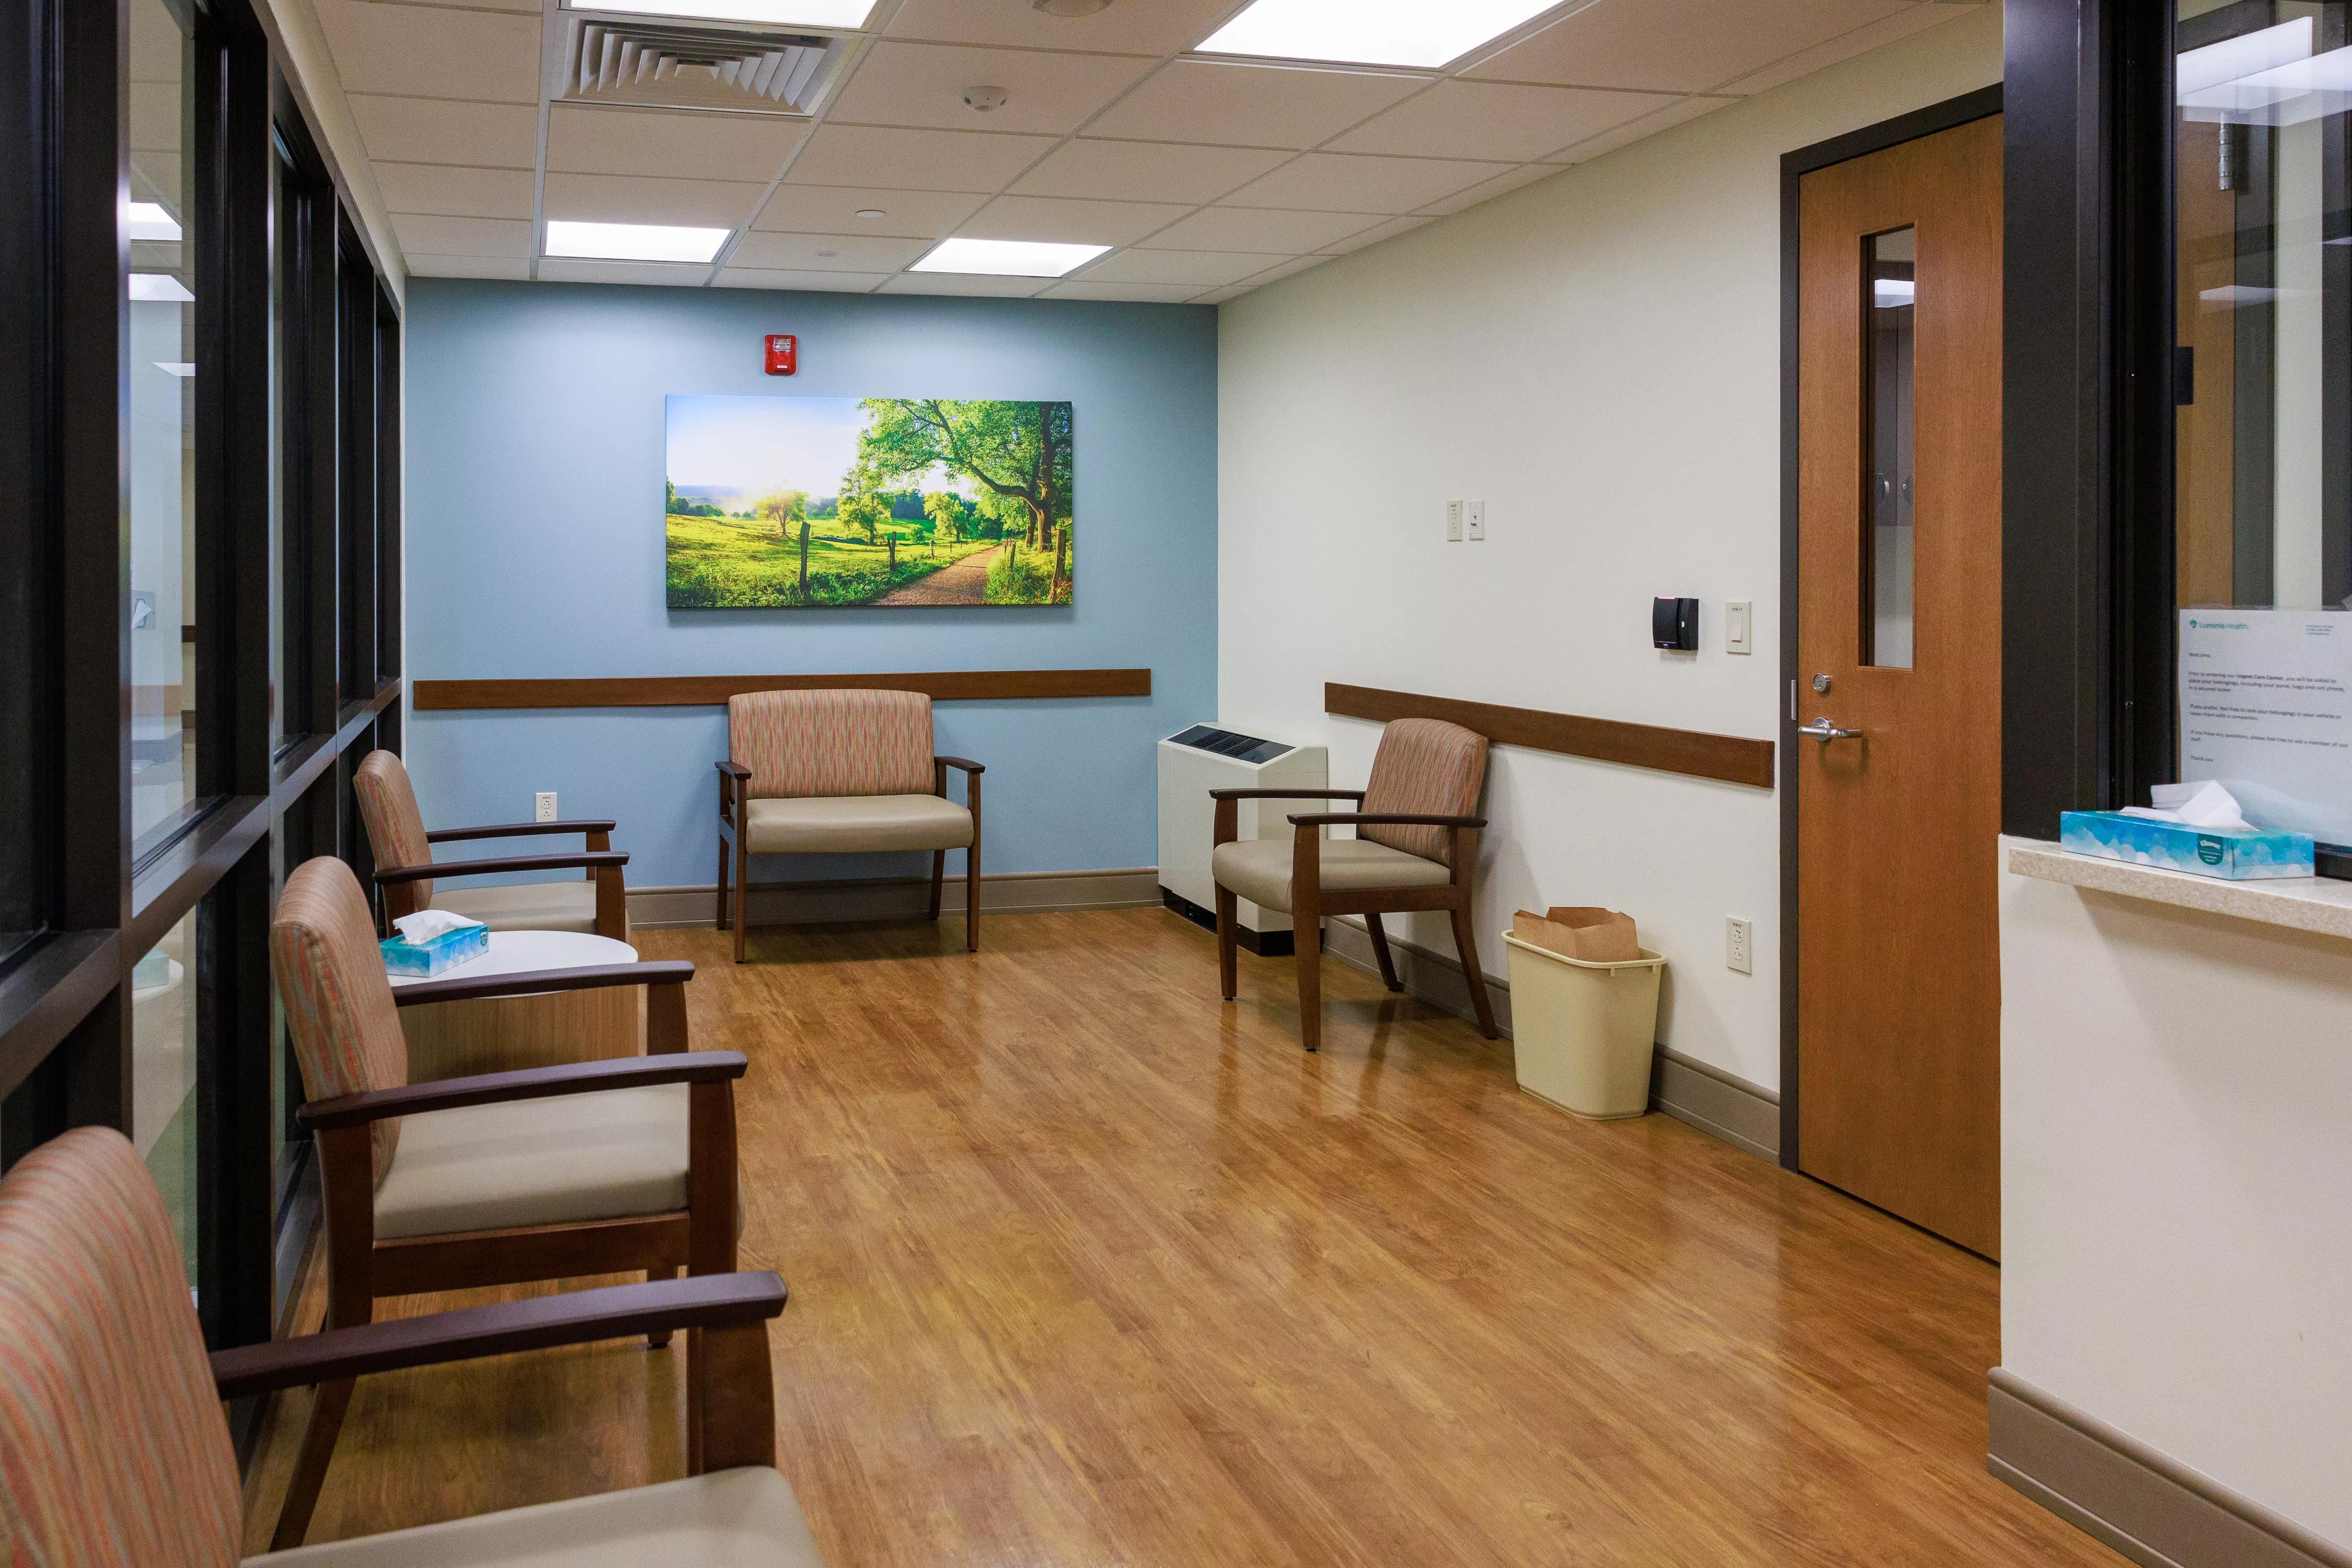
<point>1731,758</point>
<point>713,691</point>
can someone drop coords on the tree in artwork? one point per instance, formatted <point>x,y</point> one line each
<point>1019,451</point>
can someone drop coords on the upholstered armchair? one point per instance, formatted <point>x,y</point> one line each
<point>1417,848</point>
<point>550,1172</point>
<point>406,871</point>
<point>829,772</point>
<point>114,1447</point>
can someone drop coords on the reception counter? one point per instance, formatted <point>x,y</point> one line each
<point>2177,1207</point>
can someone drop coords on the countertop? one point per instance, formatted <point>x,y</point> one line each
<point>2320,904</point>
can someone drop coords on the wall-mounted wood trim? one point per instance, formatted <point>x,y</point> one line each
<point>713,691</point>
<point>1731,758</point>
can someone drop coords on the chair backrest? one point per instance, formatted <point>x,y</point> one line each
<point>1426,767</point>
<point>396,828</point>
<point>113,1448</point>
<point>339,1007</point>
<point>813,743</point>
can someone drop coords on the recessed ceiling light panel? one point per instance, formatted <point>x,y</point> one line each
<point>148,220</point>
<point>1007,258</point>
<point>789,12</point>
<point>633,241</point>
<point>1369,32</point>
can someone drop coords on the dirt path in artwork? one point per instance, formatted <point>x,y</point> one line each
<point>965,582</point>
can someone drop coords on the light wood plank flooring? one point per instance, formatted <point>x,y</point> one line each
<point>1089,1267</point>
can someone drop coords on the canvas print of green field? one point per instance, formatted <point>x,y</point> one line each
<point>806,502</point>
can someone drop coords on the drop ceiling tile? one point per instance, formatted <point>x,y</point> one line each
<point>467,266</point>
<point>1146,28</point>
<point>1286,270</point>
<point>834,209</point>
<point>922,85</point>
<point>1676,45</point>
<point>534,6</point>
<point>1360,183</point>
<point>438,131</point>
<point>461,235</point>
<point>1133,293</point>
<point>1847,46</point>
<point>1496,119</point>
<point>1069,222</point>
<point>632,198</point>
<point>660,142</point>
<point>1219,296</point>
<point>1262,229</point>
<point>963,283</point>
<point>1373,235</point>
<point>776,277</point>
<point>825,252</point>
<point>1145,170</point>
<point>1487,190</point>
<point>1199,268</point>
<point>914,160</point>
<point>564,269</point>
<point>432,52</point>
<point>1676,113</point>
<point>1250,106</point>
<point>449,192</point>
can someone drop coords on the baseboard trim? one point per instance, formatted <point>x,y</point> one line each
<point>899,898</point>
<point>2121,1492</point>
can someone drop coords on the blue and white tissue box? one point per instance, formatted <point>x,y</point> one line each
<point>436,953</point>
<point>2235,854</point>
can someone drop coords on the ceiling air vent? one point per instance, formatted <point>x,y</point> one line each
<point>695,68</point>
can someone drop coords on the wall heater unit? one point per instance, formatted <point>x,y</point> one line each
<point>1207,757</point>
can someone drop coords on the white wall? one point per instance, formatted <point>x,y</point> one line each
<point>1598,357</point>
<point>2174,1176</point>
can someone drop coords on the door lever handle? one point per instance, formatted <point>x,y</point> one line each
<point>1823,730</point>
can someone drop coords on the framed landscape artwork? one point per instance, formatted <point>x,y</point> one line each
<point>787,503</point>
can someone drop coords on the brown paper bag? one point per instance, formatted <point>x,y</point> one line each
<point>1579,932</point>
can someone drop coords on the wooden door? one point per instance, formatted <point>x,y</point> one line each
<point>1899,657</point>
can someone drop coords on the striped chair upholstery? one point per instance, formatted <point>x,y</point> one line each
<point>808,744</point>
<point>1426,767</point>
<point>113,1450</point>
<point>396,828</point>
<point>339,1007</point>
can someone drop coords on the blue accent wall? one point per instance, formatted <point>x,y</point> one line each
<point>534,550</point>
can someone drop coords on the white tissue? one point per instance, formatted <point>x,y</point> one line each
<point>422,927</point>
<point>2203,804</point>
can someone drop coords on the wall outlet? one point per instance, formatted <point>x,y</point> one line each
<point>1739,945</point>
<point>1738,623</point>
<point>1474,515</point>
<point>1454,523</point>
<point>547,805</point>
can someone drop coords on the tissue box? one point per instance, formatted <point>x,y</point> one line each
<point>452,948</point>
<point>2237,855</point>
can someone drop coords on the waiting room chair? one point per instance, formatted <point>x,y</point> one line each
<point>114,1450</point>
<point>831,773</point>
<point>1417,848</point>
<point>406,873</point>
<point>550,1172</point>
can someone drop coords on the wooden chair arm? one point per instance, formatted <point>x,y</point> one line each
<point>592,859</point>
<point>1401,819</point>
<point>516,830</point>
<point>532,982</point>
<point>734,770</point>
<point>1285,794</point>
<point>579,1317</point>
<point>966,763</point>
<point>529,1083</point>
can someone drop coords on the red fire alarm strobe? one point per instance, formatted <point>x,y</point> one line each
<point>784,354</point>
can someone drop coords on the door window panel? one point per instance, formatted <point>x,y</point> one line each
<point>1887,346</point>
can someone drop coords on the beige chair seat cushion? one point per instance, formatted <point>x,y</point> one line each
<point>525,906</point>
<point>733,1519</point>
<point>1259,868</point>
<point>536,1161</point>
<point>854,823</point>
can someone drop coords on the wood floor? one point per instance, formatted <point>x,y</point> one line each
<point>1088,1267</point>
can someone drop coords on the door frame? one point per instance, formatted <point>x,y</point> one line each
<point>1954,111</point>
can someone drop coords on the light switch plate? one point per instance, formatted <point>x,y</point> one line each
<point>1739,945</point>
<point>1738,619</point>
<point>1454,523</point>
<point>547,805</point>
<point>1475,515</point>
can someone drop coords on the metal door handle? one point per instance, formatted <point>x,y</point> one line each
<point>1823,730</point>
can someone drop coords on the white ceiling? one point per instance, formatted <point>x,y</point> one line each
<point>1209,177</point>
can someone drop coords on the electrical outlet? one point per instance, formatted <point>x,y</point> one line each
<point>547,805</point>
<point>1738,623</point>
<point>1475,516</point>
<point>1739,945</point>
<point>1454,523</point>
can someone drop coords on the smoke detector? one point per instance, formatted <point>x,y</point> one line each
<point>699,68</point>
<point>984,100</point>
<point>1069,7</point>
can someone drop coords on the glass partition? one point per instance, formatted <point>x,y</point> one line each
<point>1888,403</point>
<point>163,1055</point>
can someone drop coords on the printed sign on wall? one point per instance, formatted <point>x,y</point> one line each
<point>2266,708</point>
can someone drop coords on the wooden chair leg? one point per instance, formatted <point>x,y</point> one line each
<point>742,876</point>
<point>938,878</point>
<point>327,1406</point>
<point>1228,939</point>
<point>1465,942</point>
<point>1380,950</point>
<point>971,898</point>
<point>1307,934</point>
<point>659,1338</point>
<point>723,911</point>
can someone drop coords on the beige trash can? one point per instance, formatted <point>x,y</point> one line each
<point>1583,1032</point>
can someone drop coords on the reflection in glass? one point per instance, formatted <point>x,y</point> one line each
<point>1887,403</point>
<point>164,1076</point>
<point>159,434</point>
